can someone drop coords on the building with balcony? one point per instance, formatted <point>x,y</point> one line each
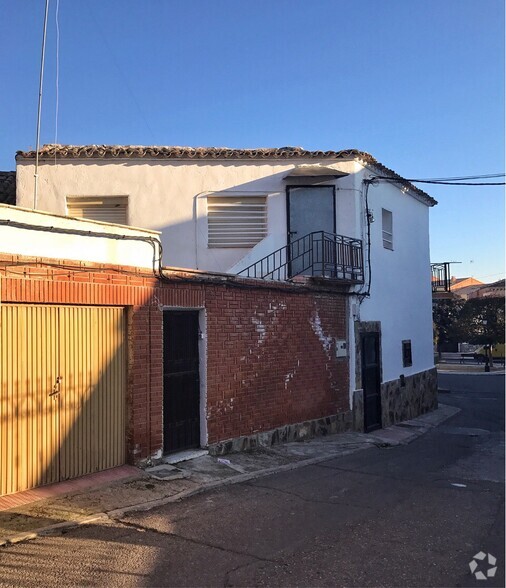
<point>339,221</point>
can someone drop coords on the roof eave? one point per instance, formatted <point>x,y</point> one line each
<point>118,152</point>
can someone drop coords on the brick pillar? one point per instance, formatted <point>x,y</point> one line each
<point>145,383</point>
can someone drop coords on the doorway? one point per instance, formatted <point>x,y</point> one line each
<point>309,209</point>
<point>371,381</point>
<point>181,380</point>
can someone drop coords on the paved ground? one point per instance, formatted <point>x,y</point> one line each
<point>453,362</point>
<point>409,515</point>
<point>166,483</point>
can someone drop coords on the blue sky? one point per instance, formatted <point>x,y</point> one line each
<point>417,83</point>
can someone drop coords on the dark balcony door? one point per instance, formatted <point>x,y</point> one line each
<point>371,381</point>
<point>309,209</point>
<point>181,385</point>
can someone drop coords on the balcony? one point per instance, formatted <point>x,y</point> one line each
<point>318,254</point>
<point>441,279</point>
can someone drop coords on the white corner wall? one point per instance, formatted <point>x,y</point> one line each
<point>170,196</point>
<point>401,296</point>
<point>35,234</point>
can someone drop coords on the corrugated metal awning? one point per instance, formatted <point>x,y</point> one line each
<point>319,172</point>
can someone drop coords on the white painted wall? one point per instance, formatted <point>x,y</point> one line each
<point>171,196</point>
<point>36,243</point>
<point>401,296</point>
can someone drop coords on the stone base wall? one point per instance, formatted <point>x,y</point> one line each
<point>358,410</point>
<point>417,396</point>
<point>329,425</point>
<point>400,402</point>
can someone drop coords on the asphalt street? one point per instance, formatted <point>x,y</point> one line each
<point>412,515</point>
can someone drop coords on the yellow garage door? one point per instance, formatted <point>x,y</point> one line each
<point>62,395</point>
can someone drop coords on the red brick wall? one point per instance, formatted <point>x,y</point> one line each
<point>145,381</point>
<point>267,366</point>
<point>270,352</point>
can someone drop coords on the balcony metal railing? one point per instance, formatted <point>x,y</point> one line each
<point>318,254</point>
<point>441,279</point>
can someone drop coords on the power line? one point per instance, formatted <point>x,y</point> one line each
<point>491,275</point>
<point>117,63</point>
<point>39,106</point>
<point>456,183</point>
<point>457,178</point>
<point>57,81</point>
<point>441,182</point>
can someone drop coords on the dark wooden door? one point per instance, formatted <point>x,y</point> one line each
<point>181,388</point>
<point>371,381</point>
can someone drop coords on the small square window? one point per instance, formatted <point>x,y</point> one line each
<point>407,359</point>
<point>388,229</point>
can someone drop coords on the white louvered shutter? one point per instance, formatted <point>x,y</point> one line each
<point>236,221</point>
<point>107,209</point>
<point>388,228</point>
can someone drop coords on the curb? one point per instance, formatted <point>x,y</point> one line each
<point>117,514</point>
<point>51,529</point>
<point>455,373</point>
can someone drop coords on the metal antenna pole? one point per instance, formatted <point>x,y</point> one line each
<point>39,108</point>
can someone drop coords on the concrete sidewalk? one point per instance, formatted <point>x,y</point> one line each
<point>169,483</point>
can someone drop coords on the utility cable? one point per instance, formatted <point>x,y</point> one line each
<point>457,178</point>
<point>39,105</point>
<point>157,269</point>
<point>57,81</point>
<point>364,294</point>
<point>456,183</point>
<point>117,63</point>
<point>441,182</point>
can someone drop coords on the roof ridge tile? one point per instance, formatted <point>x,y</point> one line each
<point>177,152</point>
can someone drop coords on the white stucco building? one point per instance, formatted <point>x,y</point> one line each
<point>224,210</point>
<point>34,233</point>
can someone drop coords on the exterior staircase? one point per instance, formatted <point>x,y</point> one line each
<point>318,254</point>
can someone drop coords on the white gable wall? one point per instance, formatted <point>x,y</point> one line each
<point>171,196</point>
<point>401,296</point>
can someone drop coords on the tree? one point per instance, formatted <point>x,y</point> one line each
<point>445,315</point>
<point>481,321</point>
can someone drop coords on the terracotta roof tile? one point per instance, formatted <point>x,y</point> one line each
<point>8,187</point>
<point>172,152</point>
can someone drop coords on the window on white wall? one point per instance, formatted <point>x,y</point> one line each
<point>407,357</point>
<point>107,209</point>
<point>236,221</point>
<point>388,229</point>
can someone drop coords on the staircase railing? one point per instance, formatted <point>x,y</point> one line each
<point>318,254</point>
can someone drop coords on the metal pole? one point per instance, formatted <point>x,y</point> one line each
<point>39,108</point>
<point>487,361</point>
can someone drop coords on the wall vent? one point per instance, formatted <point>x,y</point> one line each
<point>107,209</point>
<point>236,221</point>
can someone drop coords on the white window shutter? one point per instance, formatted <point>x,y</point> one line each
<point>107,209</point>
<point>387,228</point>
<point>236,221</point>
